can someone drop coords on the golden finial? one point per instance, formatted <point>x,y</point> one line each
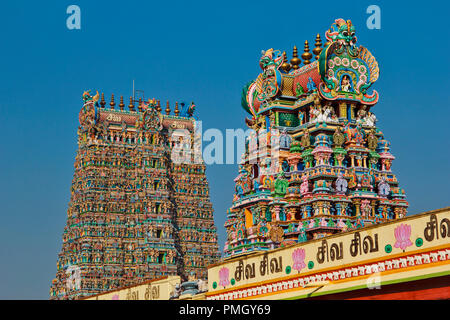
<point>140,105</point>
<point>103,102</point>
<point>176,111</point>
<point>121,104</point>
<point>158,106</point>
<point>112,103</point>
<point>295,61</point>
<point>285,65</point>
<point>306,56</point>
<point>318,49</point>
<point>167,108</point>
<point>131,105</point>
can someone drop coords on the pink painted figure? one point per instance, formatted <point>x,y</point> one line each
<point>298,256</point>
<point>366,208</point>
<point>341,224</point>
<point>402,236</point>
<point>304,189</point>
<point>224,277</point>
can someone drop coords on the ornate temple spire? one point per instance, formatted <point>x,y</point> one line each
<point>332,105</point>
<point>306,56</point>
<point>167,107</point>
<point>318,49</point>
<point>295,61</point>
<point>135,191</point>
<point>112,103</point>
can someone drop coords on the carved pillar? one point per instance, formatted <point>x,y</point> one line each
<point>352,110</point>
<point>293,163</point>
<point>373,163</point>
<point>315,209</point>
<point>338,209</point>
<point>344,206</point>
<point>343,110</point>
<point>326,208</point>
<point>338,159</point>
<point>357,203</point>
<point>262,213</point>
<point>276,213</point>
<point>374,204</point>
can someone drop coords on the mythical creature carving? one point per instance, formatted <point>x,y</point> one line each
<point>270,78</point>
<point>347,71</point>
<point>264,88</point>
<point>87,96</point>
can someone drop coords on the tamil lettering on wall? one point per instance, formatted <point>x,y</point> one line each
<point>266,267</point>
<point>434,229</point>
<point>421,233</point>
<point>335,252</point>
<point>368,245</point>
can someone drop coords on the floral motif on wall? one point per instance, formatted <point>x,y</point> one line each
<point>115,297</point>
<point>402,236</point>
<point>224,275</point>
<point>298,256</point>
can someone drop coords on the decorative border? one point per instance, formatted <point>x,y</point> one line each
<point>346,274</point>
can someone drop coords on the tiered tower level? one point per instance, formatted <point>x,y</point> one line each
<point>316,164</point>
<point>136,211</point>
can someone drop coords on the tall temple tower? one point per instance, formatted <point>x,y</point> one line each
<point>316,163</point>
<point>139,208</point>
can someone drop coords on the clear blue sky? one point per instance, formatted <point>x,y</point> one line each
<point>203,52</point>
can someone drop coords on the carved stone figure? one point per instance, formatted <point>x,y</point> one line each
<point>338,137</point>
<point>306,139</point>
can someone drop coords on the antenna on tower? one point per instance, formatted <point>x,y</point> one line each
<point>134,93</point>
<point>142,94</point>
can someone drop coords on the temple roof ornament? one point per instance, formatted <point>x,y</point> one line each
<point>306,56</point>
<point>295,61</point>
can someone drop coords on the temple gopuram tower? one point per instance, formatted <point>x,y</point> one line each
<point>316,163</point>
<point>136,213</point>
